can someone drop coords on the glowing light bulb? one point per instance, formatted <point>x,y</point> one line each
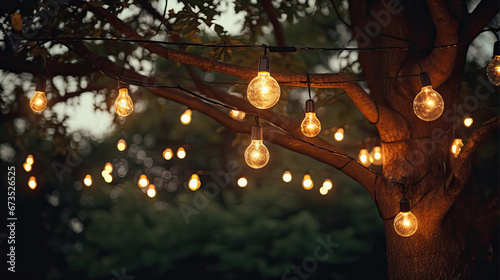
<point>405,223</point>
<point>38,102</point>
<point>468,122</point>
<point>123,104</point>
<point>194,182</point>
<point>364,157</point>
<point>323,191</point>
<point>256,154</point>
<point>493,68</point>
<point>186,117</point>
<point>263,92</point>
<point>30,160</point>
<point>327,184</point>
<point>108,167</point>
<point>339,135</point>
<point>287,176</point>
<point>428,105</point>
<point>310,126</point>
<point>242,182</point>
<point>108,178</point>
<point>307,182</point>
<point>376,155</point>
<point>143,181</point>
<point>181,153</point>
<point>168,154</point>
<point>32,182</point>
<point>27,167</point>
<point>456,147</point>
<point>121,145</point>
<point>151,191</point>
<point>87,180</point>
<point>237,115</point>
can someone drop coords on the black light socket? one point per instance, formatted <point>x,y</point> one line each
<point>310,106</point>
<point>496,48</point>
<point>256,132</point>
<point>40,85</point>
<point>404,205</point>
<point>264,64</point>
<point>424,78</point>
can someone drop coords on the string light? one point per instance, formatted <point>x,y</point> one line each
<point>87,180</point>
<point>121,145</point>
<point>194,182</point>
<point>30,160</point>
<point>186,117</point>
<point>327,184</point>
<point>32,182</point>
<point>376,155</point>
<point>310,126</point>
<point>38,102</point>
<point>123,104</point>
<point>468,121</point>
<point>287,176</point>
<point>323,191</point>
<point>168,154</point>
<point>237,115</point>
<point>181,153</point>
<point>428,105</point>
<point>242,182</point>
<point>108,167</point>
<point>143,181</point>
<point>108,178</point>
<point>364,157</point>
<point>493,69</point>
<point>307,182</point>
<point>456,147</point>
<point>339,135</point>
<point>263,91</point>
<point>27,167</point>
<point>151,191</point>
<point>405,223</point>
<point>256,154</point>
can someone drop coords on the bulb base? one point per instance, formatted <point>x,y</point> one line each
<point>496,48</point>
<point>256,132</point>
<point>264,64</point>
<point>40,85</point>
<point>404,205</point>
<point>310,106</point>
<point>424,78</point>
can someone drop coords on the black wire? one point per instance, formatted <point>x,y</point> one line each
<point>309,85</point>
<point>162,17</point>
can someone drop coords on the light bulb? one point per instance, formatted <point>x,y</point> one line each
<point>428,105</point>
<point>405,223</point>
<point>456,147</point>
<point>493,69</point>
<point>468,122</point>
<point>32,182</point>
<point>339,135</point>
<point>123,104</point>
<point>121,145</point>
<point>30,160</point>
<point>242,182</point>
<point>27,167</point>
<point>186,117</point>
<point>151,191</point>
<point>263,91</point>
<point>143,181</point>
<point>237,115</point>
<point>168,154</point>
<point>87,180</point>
<point>287,176</point>
<point>310,126</point>
<point>364,157</point>
<point>108,178</point>
<point>376,155</point>
<point>323,191</point>
<point>194,182</point>
<point>327,184</point>
<point>307,182</point>
<point>181,153</point>
<point>256,154</point>
<point>108,167</point>
<point>38,102</point>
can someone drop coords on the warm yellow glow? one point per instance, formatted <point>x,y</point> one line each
<point>143,181</point>
<point>456,147</point>
<point>181,153</point>
<point>151,191</point>
<point>242,182</point>
<point>32,182</point>
<point>108,167</point>
<point>310,126</point>
<point>263,91</point>
<point>339,135</point>
<point>38,102</point>
<point>168,154</point>
<point>108,178</point>
<point>287,176</point>
<point>256,154</point>
<point>27,167</point>
<point>327,184</point>
<point>376,155</point>
<point>493,71</point>
<point>428,105</point>
<point>121,145</point>
<point>468,122</point>
<point>87,180</point>
<point>30,160</point>
<point>186,117</point>
<point>364,157</point>
<point>194,182</point>
<point>405,224</point>
<point>323,191</point>
<point>307,182</point>
<point>237,115</point>
<point>123,104</point>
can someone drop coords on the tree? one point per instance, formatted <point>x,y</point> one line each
<point>456,225</point>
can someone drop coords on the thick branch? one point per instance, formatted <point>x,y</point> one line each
<point>473,23</point>
<point>273,18</point>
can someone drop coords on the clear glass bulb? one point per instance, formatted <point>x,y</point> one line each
<point>168,154</point>
<point>32,182</point>
<point>186,117</point>
<point>310,125</point>
<point>121,145</point>
<point>327,184</point>
<point>364,157</point>
<point>468,122</point>
<point>38,102</point>
<point>108,178</point>
<point>194,182</point>
<point>307,182</point>
<point>287,176</point>
<point>263,92</point>
<point>405,224</point>
<point>493,71</point>
<point>456,147</point>
<point>123,104</point>
<point>87,180</point>
<point>27,167</point>
<point>428,105</point>
<point>339,135</point>
<point>256,154</point>
<point>237,115</point>
<point>151,191</point>
<point>143,181</point>
<point>242,182</point>
<point>181,153</point>
<point>323,191</point>
<point>108,167</point>
<point>376,155</point>
<point>30,160</point>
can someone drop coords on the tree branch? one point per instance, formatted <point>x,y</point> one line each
<point>473,23</point>
<point>273,18</point>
